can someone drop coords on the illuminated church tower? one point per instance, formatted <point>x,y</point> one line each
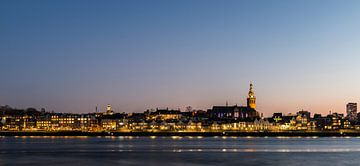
<point>251,100</point>
<point>109,110</point>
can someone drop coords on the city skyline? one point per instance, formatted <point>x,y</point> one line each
<point>351,108</point>
<point>73,56</point>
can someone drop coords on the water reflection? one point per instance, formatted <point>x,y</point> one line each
<point>178,150</point>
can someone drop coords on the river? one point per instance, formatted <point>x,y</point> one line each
<point>52,150</point>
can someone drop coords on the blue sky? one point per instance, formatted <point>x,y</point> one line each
<point>70,56</point>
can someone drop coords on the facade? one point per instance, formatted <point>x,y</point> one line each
<point>351,111</point>
<point>251,99</point>
<point>164,115</point>
<point>236,113</point>
<point>109,110</point>
<point>303,120</point>
<point>114,122</point>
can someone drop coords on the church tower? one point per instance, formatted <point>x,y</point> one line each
<point>251,99</point>
<point>109,110</point>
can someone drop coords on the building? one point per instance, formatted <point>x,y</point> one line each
<point>251,100</point>
<point>277,118</point>
<point>322,122</point>
<point>164,114</point>
<point>351,111</point>
<point>116,121</point>
<point>236,113</point>
<point>336,121</point>
<point>303,120</point>
<point>109,110</point>
<point>232,113</point>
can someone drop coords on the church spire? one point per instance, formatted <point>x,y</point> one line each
<point>251,100</point>
<point>251,93</point>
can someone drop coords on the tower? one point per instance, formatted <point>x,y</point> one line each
<point>251,99</point>
<point>351,111</point>
<point>109,110</point>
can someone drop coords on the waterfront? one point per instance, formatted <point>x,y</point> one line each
<point>52,150</point>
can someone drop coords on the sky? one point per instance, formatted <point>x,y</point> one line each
<point>74,55</point>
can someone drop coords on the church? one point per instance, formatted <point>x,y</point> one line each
<point>236,113</point>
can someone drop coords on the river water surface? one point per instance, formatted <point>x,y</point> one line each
<point>179,151</point>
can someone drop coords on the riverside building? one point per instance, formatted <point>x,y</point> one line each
<point>236,113</point>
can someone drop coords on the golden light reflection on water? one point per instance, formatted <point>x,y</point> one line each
<point>175,137</point>
<point>51,137</point>
<point>283,137</point>
<point>252,150</point>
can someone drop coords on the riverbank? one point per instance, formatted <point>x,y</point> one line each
<point>204,134</point>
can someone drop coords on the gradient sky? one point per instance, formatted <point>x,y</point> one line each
<point>69,55</point>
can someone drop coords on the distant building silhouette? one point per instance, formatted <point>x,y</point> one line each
<point>351,111</point>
